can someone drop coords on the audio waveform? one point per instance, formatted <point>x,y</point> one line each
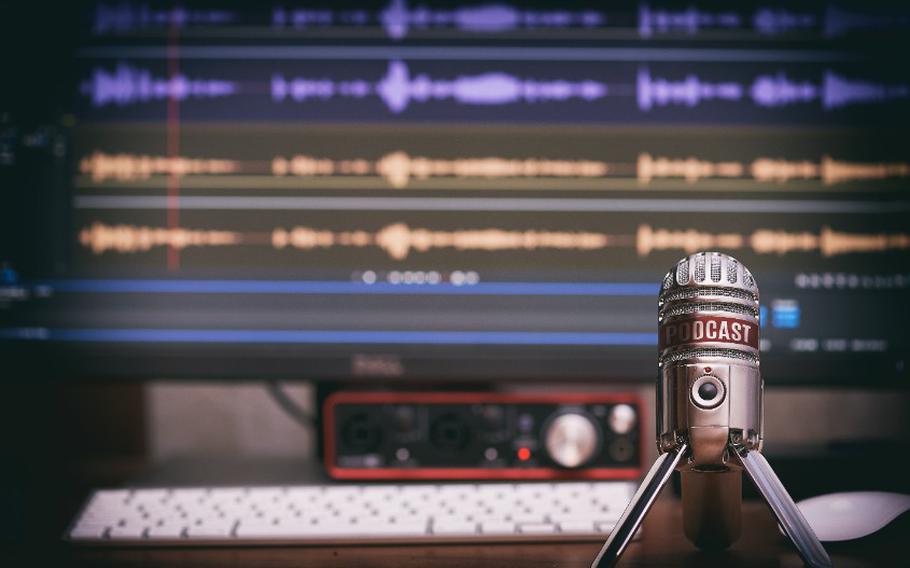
<point>691,169</point>
<point>769,170</point>
<point>126,17</point>
<point>691,20</point>
<point>399,169</point>
<point>772,21</point>
<point>397,89</point>
<point>129,238</point>
<point>828,170</point>
<point>398,240</point>
<point>127,85</point>
<point>768,241</point>
<point>839,21</point>
<point>397,19</point>
<point>130,167</point>
<point>769,91</point>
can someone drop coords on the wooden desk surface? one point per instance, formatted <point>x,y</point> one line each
<point>663,543</point>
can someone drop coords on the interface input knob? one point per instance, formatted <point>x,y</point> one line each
<point>622,418</point>
<point>571,439</point>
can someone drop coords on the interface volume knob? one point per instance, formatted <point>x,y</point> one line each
<point>571,439</point>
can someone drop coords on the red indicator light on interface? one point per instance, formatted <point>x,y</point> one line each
<point>524,454</point>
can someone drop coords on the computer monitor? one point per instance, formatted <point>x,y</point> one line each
<point>454,191</point>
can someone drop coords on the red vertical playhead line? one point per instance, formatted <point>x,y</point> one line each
<point>173,144</point>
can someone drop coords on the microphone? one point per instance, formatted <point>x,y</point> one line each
<point>710,411</point>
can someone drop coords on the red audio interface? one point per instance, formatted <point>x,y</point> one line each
<point>480,435</point>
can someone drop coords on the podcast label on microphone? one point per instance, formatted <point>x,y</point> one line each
<point>708,328</point>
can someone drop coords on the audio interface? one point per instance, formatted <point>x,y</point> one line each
<point>482,435</point>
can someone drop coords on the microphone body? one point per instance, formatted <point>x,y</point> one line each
<point>710,411</point>
<point>709,387</point>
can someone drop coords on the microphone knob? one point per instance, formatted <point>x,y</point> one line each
<point>571,439</point>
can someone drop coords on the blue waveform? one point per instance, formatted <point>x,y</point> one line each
<point>398,19</point>
<point>127,17</point>
<point>690,91</point>
<point>689,20</point>
<point>770,91</point>
<point>398,89</point>
<point>770,21</point>
<point>301,18</point>
<point>127,85</point>
<point>839,21</point>
<point>839,92</point>
<point>777,91</point>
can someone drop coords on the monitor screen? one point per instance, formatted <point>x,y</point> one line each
<point>455,190</point>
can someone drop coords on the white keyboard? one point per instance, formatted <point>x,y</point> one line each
<point>318,514</point>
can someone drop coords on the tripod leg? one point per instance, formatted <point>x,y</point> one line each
<point>783,507</point>
<point>639,506</point>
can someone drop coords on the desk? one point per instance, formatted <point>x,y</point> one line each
<point>663,544</point>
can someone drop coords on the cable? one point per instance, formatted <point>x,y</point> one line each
<point>289,405</point>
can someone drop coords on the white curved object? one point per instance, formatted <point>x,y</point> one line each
<point>852,515</point>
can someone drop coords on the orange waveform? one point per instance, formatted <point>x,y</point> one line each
<point>686,240</point>
<point>131,167</point>
<point>833,171</point>
<point>691,169</point>
<point>399,240</point>
<point>767,241</point>
<point>130,238</point>
<point>399,168</point>
<point>828,242</point>
<point>829,171</point>
<point>780,171</point>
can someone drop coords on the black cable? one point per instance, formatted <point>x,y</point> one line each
<point>289,405</point>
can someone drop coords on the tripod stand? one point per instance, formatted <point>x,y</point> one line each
<point>765,480</point>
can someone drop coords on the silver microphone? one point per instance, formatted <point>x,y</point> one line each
<point>709,410</point>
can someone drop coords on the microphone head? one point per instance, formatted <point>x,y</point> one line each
<point>708,307</point>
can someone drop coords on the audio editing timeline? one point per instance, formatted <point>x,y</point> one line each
<point>489,160</point>
<point>398,169</point>
<point>507,91</point>
<point>398,240</point>
<point>397,19</point>
<point>474,185</point>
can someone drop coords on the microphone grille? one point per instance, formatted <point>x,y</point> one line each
<point>710,269</point>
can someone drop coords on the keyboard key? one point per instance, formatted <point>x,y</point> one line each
<point>352,513</point>
<point>88,531</point>
<point>497,527</point>
<point>537,528</point>
<point>213,530</point>
<point>577,527</point>
<point>170,530</point>
<point>454,528</point>
<point>605,527</point>
<point>126,531</point>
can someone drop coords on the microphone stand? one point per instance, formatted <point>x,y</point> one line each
<point>772,490</point>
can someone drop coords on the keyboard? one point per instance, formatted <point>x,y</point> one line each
<point>323,514</point>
